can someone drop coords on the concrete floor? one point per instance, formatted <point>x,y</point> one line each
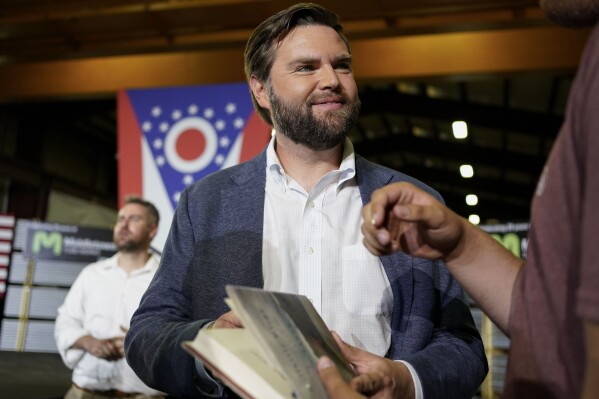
<point>25,375</point>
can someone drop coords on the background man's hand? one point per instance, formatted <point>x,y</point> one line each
<point>109,349</point>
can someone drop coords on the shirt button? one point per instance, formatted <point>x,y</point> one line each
<point>310,250</point>
<point>311,204</point>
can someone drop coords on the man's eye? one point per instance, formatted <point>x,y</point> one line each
<point>344,66</point>
<point>304,68</point>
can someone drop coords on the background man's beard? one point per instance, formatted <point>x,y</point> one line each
<point>129,246</point>
<point>302,127</point>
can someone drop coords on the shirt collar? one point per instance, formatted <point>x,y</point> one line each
<point>150,264</point>
<point>273,165</point>
<point>346,171</point>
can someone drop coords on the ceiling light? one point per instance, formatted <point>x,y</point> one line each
<point>460,129</point>
<point>474,219</point>
<point>466,171</point>
<point>471,199</point>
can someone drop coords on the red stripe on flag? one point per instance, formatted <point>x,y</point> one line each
<point>7,220</point>
<point>129,149</point>
<point>256,135</point>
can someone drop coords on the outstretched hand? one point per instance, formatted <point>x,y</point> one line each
<point>401,217</point>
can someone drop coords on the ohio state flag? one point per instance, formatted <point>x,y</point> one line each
<point>169,138</point>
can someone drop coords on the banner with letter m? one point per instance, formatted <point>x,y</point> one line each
<point>169,138</point>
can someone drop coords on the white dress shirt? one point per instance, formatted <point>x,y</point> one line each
<point>312,245</point>
<point>100,301</point>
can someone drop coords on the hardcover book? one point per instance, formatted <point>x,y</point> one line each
<point>275,354</point>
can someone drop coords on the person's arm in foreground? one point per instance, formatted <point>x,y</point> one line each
<point>401,217</point>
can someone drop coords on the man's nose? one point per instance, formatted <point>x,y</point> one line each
<point>328,78</point>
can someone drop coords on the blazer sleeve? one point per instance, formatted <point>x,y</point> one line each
<point>164,318</point>
<point>453,363</point>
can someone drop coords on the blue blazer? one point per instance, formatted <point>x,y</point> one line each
<point>216,239</point>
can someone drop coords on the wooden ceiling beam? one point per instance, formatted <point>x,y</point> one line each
<point>189,30</point>
<point>387,59</point>
<point>27,11</point>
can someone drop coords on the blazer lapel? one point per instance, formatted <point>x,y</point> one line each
<point>398,267</point>
<point>243,199</point>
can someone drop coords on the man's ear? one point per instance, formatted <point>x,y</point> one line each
<point>260,92</point>
<point>153,231</point>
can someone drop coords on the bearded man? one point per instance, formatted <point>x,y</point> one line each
<point>92,321</point>
<point>289,220</point>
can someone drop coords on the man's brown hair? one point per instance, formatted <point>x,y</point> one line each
<point>152,211</point>
<point>261,46</point>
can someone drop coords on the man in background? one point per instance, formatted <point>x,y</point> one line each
<point>548,305</point>
<point>289,220</point>
<point>92,323</point>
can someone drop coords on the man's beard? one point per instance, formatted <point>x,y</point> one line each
<point>129,245</point>
<point>298,122</point>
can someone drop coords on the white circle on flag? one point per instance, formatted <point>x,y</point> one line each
<point>201,126</point>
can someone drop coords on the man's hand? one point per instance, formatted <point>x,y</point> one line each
<point>401,217</point>
<point>377,377</point>
<point>110,349</point>
<point>228,320</point>
<point>333,383</point>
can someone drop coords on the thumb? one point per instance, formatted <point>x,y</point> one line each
<point>350,353</point>
<point>331,379</point>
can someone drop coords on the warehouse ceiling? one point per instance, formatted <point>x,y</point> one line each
<point>405,123</point>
